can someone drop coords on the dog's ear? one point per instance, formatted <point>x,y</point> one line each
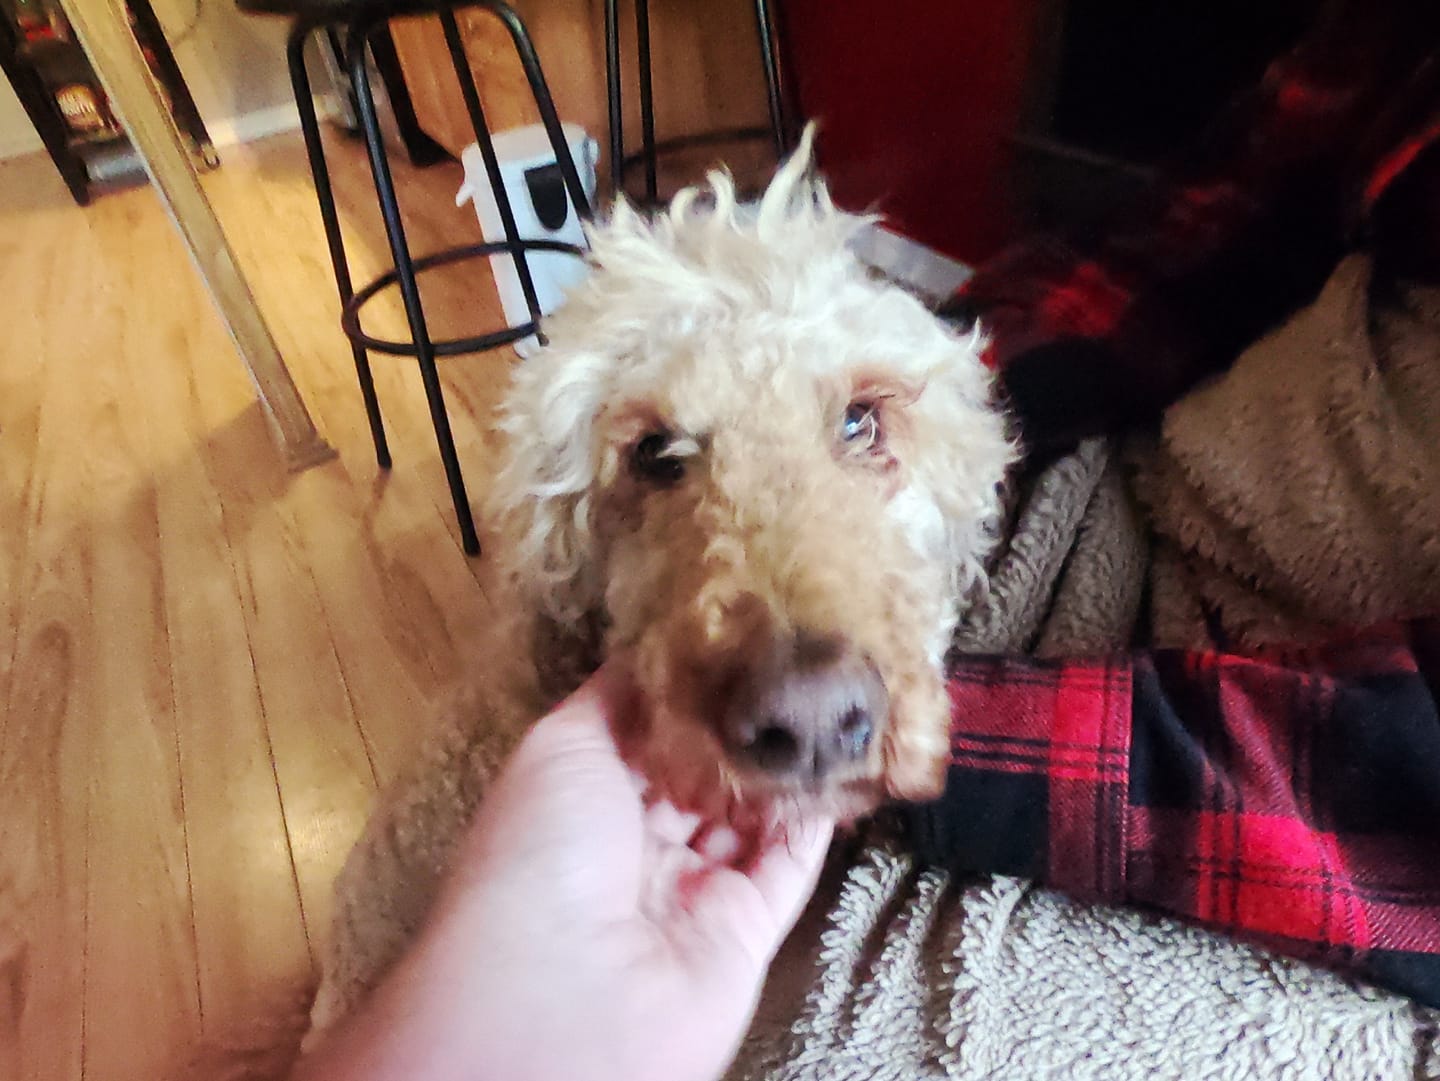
<point>968,453</point>
<point>542,499</point>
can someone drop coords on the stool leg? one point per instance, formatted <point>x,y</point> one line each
<point>535,76</point>
<point>612,94</point>
<point>422,149</point>
<point>333,54</point>
<point>647,98</point>
<point>769,56</point>
<point>471,94</point>
<point>409,289</point>
<point>320,174</point>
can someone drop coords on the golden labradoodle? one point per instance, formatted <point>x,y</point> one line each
<point>761,478</point>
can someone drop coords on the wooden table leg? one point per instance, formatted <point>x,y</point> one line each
<point>104,30</point>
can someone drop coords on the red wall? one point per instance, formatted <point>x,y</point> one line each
<point>915,98</point>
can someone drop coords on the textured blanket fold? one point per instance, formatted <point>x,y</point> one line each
<point>1342,403</point>
<point>1069,577</point>
<point>922,977</point>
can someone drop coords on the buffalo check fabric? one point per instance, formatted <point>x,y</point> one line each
<point>1290,798</point>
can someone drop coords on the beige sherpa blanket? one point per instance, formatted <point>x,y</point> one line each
<point>1302,492</point>
<point>1297,492</point>
<point>917,977</point>
<point>898,972</point>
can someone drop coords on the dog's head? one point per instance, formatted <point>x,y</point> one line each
<point>774,480</point>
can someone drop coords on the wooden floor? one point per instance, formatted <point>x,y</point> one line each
<point>206,664</point>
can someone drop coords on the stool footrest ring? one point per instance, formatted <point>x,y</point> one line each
<point>350,314</point>
<point>690,142</point>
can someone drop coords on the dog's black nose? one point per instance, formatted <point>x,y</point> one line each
<point>813,711</point>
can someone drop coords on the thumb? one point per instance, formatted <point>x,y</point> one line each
<point>564,793</point>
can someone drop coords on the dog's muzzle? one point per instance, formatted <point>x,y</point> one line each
<point>808,715</point>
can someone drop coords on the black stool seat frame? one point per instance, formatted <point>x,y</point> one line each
<point>360,21</point>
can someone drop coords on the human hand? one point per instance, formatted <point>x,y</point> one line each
<point>583,934</point>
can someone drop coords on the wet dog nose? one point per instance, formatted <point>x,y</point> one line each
<point>811,712</point>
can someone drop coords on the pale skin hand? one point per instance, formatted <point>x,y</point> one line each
<point>583,935</point>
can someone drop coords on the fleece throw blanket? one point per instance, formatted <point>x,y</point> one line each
<point>918,976</point>
<point>898,971</point>
<point>1301,493</point>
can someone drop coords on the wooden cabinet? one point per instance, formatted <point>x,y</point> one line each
<point>705,58</point>
<point>57,85</point>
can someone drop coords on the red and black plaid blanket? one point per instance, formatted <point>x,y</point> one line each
<point>1291,798</point>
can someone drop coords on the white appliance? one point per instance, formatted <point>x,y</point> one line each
<point>543,211</point>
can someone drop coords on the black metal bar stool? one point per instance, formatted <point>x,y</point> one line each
<point>650,150</point>
<point>361,20</point>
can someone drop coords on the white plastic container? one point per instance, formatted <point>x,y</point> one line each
<point>543,211</point>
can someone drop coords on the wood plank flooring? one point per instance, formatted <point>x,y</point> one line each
<point>207,664</point>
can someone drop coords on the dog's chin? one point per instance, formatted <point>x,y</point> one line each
<point>709,785</point>
<point>842,801</point>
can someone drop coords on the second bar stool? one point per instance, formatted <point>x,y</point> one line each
<point>358,21</point>
<point>651,149</point>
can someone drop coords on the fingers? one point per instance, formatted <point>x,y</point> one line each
<point>781,863</point>
<point>745,910</point>
<point>785,867</point>
<point>719,844</point>
<point>670,825</point>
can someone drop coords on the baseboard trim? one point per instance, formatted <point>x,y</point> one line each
<point>257,124</point>
<point>228,131</point>
<point>20,144</point>
<point>928,272</point>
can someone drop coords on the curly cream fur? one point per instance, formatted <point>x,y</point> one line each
<point>743,332</point>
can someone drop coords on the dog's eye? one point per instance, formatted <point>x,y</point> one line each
<point>861,425</point>
<point>651,461</point>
